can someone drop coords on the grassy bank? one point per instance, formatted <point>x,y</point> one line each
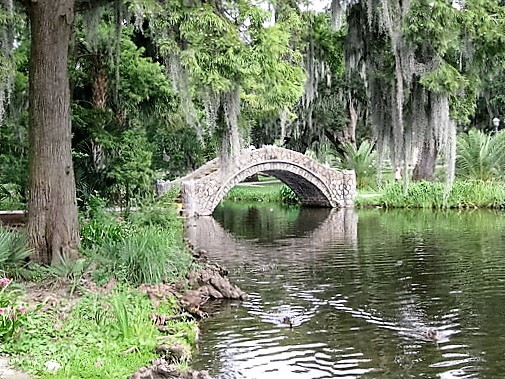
<point>102,336</point>
<point>86,319</point>
<point>464,194</point>
<point>264,192</point>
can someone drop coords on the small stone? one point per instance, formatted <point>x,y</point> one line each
<point>52,365</point>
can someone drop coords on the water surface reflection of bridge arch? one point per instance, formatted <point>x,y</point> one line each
<point>336,226</point>
<point>314,184</point>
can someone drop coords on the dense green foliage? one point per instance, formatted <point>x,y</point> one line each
<point>468,39</point>
<point>144,247</point>
<point>153,85</point>
<point>266,193</point>
<point>152,91</point>
<point>14,250</point>
<point>464,194</point>
<point>271,192</point>
<point>480,156</point>
<point>362,160</point>
<point>288,196</point>
<point>94,338</point>
<point>160,87</point>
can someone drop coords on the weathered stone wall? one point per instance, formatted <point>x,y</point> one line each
<point>314,183</point>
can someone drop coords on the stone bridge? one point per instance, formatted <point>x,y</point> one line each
<point>314,184</point>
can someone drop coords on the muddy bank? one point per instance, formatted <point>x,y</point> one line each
<point>161,368</point>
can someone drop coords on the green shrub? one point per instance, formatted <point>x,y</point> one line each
<point>480,156</point>
<point>361,160</point>
<point>419,195</point>
<point>164,217</point>
<point>10,197</point>
<point>477,194</point>
<point>14,250</point>
<point>97,232</point>
<point>149,255</point>
<point>99,226</point>
<point>288,196</point>
<point>266,193</point>
<point>144,247</point>
<point>464,194</point>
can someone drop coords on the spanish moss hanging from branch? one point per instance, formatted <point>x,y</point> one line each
<point>6,47</point>
<point>180,82</point>
<point>318,74</point>
<point>409,121</point>
<point>232,140</point>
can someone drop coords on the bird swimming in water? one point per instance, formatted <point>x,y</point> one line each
<point>288,321</point>
<point>431,334</point>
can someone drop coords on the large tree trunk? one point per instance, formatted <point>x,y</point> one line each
<point>52,208</point>
<point>425,167</point>
<point>349,131</point>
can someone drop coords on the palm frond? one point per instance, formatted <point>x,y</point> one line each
<point>362,160</point>
<point>480,156</point>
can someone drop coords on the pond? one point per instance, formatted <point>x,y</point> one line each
<point>368,293</point>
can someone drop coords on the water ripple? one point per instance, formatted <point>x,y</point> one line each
<point>364,307</point>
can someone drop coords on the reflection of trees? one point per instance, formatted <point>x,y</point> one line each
<point>261,221</point>
<point>442,268</point>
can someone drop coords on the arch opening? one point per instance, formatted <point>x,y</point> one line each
<point>310,189</point>
<point>308,193</point>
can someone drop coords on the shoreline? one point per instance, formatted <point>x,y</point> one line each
<point>207,282</point>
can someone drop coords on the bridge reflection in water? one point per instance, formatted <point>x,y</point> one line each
<point>272,253</point>
<point>321,227</point>
<point>328,299</point>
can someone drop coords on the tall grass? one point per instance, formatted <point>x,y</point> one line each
<point>145,247</point>
<point>464,194</point>
<point>92,340</point>
<point>271,193</point>
<point>150,255</point>
<point>268,193</point>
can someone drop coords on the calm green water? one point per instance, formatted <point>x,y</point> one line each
<point>362,288</point>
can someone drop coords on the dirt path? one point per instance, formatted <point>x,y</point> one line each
<point>7,372</point>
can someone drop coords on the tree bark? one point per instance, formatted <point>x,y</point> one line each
<point>52,208</point>
<point>425,167</point>
<point>349,131</point>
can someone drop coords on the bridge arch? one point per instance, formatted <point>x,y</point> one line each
<point>313,183</point>
<point>310,189</point>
